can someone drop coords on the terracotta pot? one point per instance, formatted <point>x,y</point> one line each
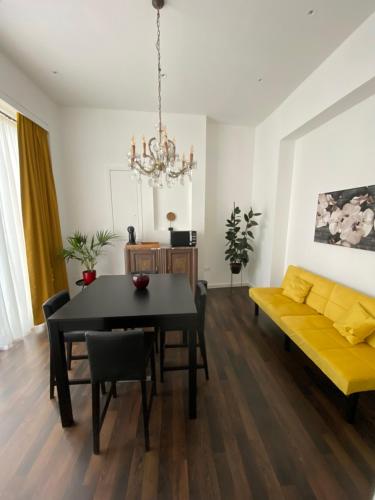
<point>141,281</point>
<point>235,267</point>
<point>88,276</point>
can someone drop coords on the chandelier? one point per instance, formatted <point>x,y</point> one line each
<point>158,158</point>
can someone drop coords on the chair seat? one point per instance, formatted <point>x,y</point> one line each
<point>75,336</point>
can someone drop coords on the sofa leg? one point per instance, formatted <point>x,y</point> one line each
<point>287,343</point>
<point>351,406</point>
<point>256,309</point>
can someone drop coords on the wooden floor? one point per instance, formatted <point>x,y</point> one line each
<point>269,426</point>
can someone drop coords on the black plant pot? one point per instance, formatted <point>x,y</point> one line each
<point>235,267</point>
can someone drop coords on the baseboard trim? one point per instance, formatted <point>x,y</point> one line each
<point>227,285</point>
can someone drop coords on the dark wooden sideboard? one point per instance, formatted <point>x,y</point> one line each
<point>166,259</point>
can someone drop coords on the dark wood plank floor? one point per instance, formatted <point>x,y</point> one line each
<point>269,426</point>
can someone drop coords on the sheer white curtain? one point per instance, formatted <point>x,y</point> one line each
<point>15,302</point>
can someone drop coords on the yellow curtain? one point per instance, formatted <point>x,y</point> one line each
<point>47,271</point>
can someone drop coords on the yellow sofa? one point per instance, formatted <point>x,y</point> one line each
<point>310,325</point>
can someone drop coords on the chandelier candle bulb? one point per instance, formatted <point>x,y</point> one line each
<point>133,147</point>
<point>191,154</point>
<point>144,146</point>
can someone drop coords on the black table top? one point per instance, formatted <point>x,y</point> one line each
<point>115,296</point>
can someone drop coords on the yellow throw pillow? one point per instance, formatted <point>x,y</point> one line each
<point>297,289</point>
<point>356,324</point>
<point>371,340</point>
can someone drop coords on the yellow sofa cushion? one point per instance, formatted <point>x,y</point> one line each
<point>342,299</point>
<point>320,291</point>
<point>276,305</point>
<point>371,340</point>
<point>356,324</point>
<point>297,289</point>
<point>352,369</point>
<point>302,322</point>
<point>316,331</point>
<point>324,345</point>
<point>273,298</point>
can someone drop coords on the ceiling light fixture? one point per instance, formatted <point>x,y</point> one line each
<point>159,160</point>
<point>310,12</point>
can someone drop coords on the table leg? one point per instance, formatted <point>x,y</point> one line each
<point>61,374</point>
<point>192,374</point>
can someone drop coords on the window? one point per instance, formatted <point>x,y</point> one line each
<point>15,303</point>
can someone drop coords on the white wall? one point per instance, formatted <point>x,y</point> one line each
<point>337,155</point>
<point>345,77</point>
<point>22,94</point>
<point>96,141</point>
<point>229,163</point>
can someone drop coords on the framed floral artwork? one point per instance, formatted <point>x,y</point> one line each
<point>346,218</point>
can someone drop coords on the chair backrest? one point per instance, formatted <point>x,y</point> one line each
<point>200,303</point>
<point>54,303</point>
<point>117,355</point>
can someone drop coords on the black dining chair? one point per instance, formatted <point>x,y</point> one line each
<point>52,305</point>
<point>115,357</point>
<point>200,303</point>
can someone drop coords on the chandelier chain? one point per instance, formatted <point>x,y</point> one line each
<point>159,70</point>
<point>160,162</point>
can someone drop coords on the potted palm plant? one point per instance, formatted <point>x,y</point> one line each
<point>87,250</point>
<point>238,241</point>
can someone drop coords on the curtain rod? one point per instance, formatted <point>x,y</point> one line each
<point>8,116</point>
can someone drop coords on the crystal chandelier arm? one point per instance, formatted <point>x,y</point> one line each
<point>187,166</point>
<point>172,146</point>
<point>150,142</point>
<point>138,166</point>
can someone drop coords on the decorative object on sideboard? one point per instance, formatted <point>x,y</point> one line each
<point>183,238</point>
<point>140,281</point>
<point>87,251</point>
<point>171,216</point>
<point>161,163</point>
<point>131,232</point>
<point>346,218</point>
<point>238,242</point>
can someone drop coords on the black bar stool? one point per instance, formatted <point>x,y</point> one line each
<point>200,302</point>
<point>52,305</point>
<point>120,356</point>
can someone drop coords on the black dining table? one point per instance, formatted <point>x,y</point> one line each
<point>112,302</point>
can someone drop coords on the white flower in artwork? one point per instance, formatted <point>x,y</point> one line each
<point>335,220</point>
<point>367,221</point>
<point>358,200</point>
<point>322,214</point>
<point>322,219</point>
<point>356,225</point>
<point>349,210</point>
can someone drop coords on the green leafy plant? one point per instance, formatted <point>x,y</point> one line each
<point>238,241</point>
<point>87,250</point>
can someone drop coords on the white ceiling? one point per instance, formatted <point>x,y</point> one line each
<point>213,51</point>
